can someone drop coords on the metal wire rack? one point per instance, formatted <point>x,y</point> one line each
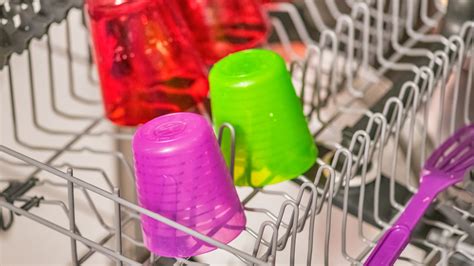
<point>380,86</point>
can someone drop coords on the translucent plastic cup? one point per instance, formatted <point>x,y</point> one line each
<point>181,174</point>
<point>221,27</point>
<point>147,65</point>
<point>252,90</point>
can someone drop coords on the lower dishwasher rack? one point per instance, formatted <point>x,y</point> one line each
<point>380,87</point>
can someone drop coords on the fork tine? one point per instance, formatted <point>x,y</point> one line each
<point>458,154</point>
<point>469,163</point>
<point>461,138</point>
<point>462,162</point>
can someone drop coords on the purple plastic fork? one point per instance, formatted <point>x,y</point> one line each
<point>446,166</point>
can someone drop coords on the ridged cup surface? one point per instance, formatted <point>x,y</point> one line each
<point>181,174</point>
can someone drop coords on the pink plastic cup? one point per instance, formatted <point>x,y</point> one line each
<point>182,175</point>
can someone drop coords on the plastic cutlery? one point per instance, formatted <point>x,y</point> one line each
<point>446,166</point>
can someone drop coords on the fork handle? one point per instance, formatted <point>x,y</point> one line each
<point>394,241</point>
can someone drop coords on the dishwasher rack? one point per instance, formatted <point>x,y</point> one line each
<point>339,78</point>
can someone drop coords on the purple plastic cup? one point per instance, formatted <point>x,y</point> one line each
<point>182,175</point>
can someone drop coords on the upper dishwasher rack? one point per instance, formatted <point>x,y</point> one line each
<point>23,20</point>
<point>371,75</point>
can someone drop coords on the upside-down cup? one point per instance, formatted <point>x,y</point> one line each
<point>146,63</point>
<point>252,90</point>
<point>181,174</point>
<point>220,27</point>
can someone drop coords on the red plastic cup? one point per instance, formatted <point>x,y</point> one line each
<point>146,63</point>
<point>221,27</point>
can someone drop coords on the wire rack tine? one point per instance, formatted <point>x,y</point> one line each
<point>72,218</point>
<point>398,106</point>
<point>348,69</point>
<point>411,91</point>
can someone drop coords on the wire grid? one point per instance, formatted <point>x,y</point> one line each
<point>328,91</point>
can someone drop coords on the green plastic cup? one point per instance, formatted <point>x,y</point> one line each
<point>252,90</point>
